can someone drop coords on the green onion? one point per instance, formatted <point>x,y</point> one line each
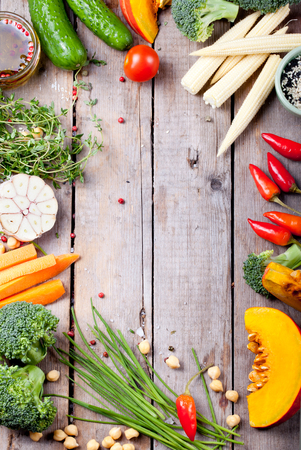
<point>129,390</point>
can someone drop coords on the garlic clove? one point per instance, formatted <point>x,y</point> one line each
<point>35,186</point>
<point>48,207</point>
<point>20,183</point>
<point>34,209</point>
<point>9,190</point>
<point>48,221</point>
<point>36,223</point>
<point>11,222</point>
<point>45,194</point>
<point>8,206</point>
<point>22,202</point>
<point>26,232</point>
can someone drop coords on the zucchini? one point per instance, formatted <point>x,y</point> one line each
<point>58,38</point>
<point>102,22</point>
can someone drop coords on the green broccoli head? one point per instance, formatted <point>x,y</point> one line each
<point>265,6</point>
<point>194,17</point>
<point>21,406</point>
<point>255,265</point>
<point>26,331</point>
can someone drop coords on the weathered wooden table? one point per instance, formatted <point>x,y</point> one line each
<point>170,258</point>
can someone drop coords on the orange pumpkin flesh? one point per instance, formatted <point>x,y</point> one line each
<point>141,15</point>
<point>276,376</point>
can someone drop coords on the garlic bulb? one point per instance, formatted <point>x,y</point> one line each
<point>28,207</point>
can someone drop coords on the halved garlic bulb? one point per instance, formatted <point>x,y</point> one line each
<point>28,207</point>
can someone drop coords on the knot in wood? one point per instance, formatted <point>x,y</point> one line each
<point>216,184</point>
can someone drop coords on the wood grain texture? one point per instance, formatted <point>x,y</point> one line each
<point>192,219</point>
<point>250,148</point>
<point>49,84</point>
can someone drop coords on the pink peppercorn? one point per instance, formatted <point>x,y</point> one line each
<point>29,53</point>
<point>101,295</point>
<point>26,33</point>
<point>5,21</point>
<point>71,333</point>
<point>93,342</point>
<point>72,235</point>
<point>122,79</point>
<point>3,238</point>
<point>74,128</point>
<point>19,26</point>
<point>121,201</point>
<point>121,120</point>
<point>31,48</point>
<point>105,354</point>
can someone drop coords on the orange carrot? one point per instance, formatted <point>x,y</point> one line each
<point>18,256</point>
<point>26,268</point>
<point>27,281</point>
<point>44,294</point>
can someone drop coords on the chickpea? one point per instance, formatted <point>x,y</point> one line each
<point>93,445</point>
<point>53,375</point>
<point>116,446</point>
<point>71,430</point>
<point>59,435</point>
<point>214,372</point>
<point>144,347</point>
<point>232,396</point>
<point>37,133</point>
<point>70,442</point>
<point>128,447</point>
<point>232,421</point>
<point>12,243</point>
<point>2,249</point>
<point>26,134</point>
<point>131,433</point>
<point>115,433</point>
<point>35,436</point>
<point>108,442</point>
<point>216,386</point>
<point>173,362</point>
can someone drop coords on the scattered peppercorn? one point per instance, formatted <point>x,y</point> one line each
<point>121,201</point>
<point>71,333</point>
<point>74,128</point>
<point>105,355</point>
<point>122,79</point>
<point>72,235</point>
<point>171,349</point>
<point>93,342</point>
<point>101,295</point>
<point>121,120</point>
<point>3,238</point>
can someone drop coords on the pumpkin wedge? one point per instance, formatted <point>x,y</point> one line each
<point>276,376</point>
<point>284,284</point>
<point>141,15</point>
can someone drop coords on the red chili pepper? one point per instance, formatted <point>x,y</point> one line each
<point>186,409</point>
<point>286,147</point>
<point>267,188</point>
<point>273,233</point>
<point>289,221</point>
<point>281,176</point>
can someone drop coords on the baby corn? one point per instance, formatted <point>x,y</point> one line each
<point>253,45</point>
<point>231,82</point>
<point>265,26</point>
<point>253,102</point>
<point>202,70</point>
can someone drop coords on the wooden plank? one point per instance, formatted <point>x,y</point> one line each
<point>192,212</point>
<point>49,84</point>
<point>114,239</point>
<point>250,148</point>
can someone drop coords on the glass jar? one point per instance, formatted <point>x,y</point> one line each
<point>10,79</point>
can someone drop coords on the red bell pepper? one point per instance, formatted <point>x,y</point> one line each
<point>186,409</point>
<point>267,188</point>
<point>289,221</point>
<point>286,147</point>
<point>281,176</point>
<point>273,233</point>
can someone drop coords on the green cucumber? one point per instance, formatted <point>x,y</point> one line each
<point>102,22</point>
<point>58,39</point>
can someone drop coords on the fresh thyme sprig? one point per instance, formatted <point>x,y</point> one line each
<point>47,157</point>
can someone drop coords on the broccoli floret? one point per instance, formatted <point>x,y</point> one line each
<point>21,406</point>
<point>194,17</point>
<point>265,6</point>
<point>255,265</point>
<point>26,332</point>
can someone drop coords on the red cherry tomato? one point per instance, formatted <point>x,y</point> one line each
<point>141,63</point>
